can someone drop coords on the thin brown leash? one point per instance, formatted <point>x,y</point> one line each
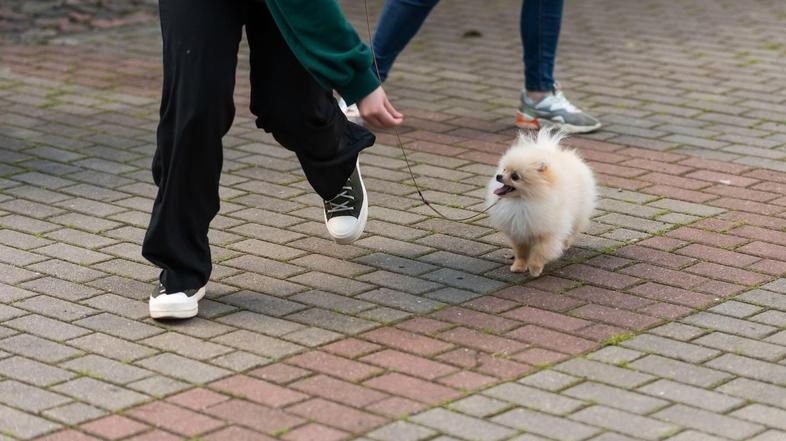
<point>401,144</point>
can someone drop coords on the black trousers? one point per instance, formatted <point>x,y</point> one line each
<point>201,39</point>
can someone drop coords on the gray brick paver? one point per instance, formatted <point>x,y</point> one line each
<point>604,373</point>
<point>768,416</point>
<point>743,346</point>
<point>100,393</point>
<point>729,324</point>
<point>55,308</point>
<point>74,413</point>
<point>33,372</point>
<point>186,346</point>
<point>709,422</point>
<point>691,396</point>
<point>334,302</point>
<point>753,390</point>
<point>118,326</point>
<point>543,424</point>
<point>23,424</point>
<point>397,264</point>
<point>617,398</point>
<point>401,300</point>
<point>624,422</point>
<point>332,321</point>
<point>46,327</point>
<point>37,348</point>
<point>550,380</point>
<point>111,347</point>
<point>615,355</point>
<point>414,285</point>
<point>467,281</point>
<point>183,368</point>
<point>401,431</point>
<point>259,323</point>
<point>532,398</point>
<point>479,406</point>
<point>262,303</point>
<point>670,348</point>
<point>751,368</point>
<point>158,386</point>
<point>29,398</point>
<point>258,344</point>
<point>463,426</point>
<point>105,368</point>
<point>680,371</point>
<point>692,435</point>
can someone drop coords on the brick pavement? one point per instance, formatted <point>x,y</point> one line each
<point>665,322</point>
<point>39,21</point>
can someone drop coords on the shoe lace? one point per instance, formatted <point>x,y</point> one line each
<point>335,206</point>
<point>559,102</point>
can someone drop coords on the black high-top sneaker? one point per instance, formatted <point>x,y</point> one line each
<point>183,304</point>
<point>346,214</point>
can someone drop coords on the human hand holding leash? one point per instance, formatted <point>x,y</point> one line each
<point>375,108</point>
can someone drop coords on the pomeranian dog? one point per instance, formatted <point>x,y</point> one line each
<point>544,196</point>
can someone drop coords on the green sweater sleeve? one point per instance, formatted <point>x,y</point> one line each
<point>326,45</point>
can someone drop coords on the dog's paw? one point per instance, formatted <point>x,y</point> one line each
<point>535,270</point>
<point>518,267</point>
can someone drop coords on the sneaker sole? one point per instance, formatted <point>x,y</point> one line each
<point>182,310</point>
<point>363,216</point>
<point>351,112</point>
<point>524,121</point>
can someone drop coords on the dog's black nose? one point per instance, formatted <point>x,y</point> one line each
<point>499,178</point>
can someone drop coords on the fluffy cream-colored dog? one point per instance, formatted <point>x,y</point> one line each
<point>544,195</point>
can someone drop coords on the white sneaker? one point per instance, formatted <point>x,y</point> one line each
<point>351,112</point>
<point>346,214</point>
<point>184,304</point>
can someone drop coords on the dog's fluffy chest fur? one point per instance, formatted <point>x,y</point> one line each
<point>543,197</point>
<point>523,221</point>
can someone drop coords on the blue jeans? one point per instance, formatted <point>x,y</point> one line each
<point>540,27</point>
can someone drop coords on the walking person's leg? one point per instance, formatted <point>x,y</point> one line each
<point>540,22</point>
<point>200,43</point>
<point>306,119</point>
<point>542,104</point>
<point>399,22</point>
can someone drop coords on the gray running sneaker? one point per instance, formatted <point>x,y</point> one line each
<point>554,111</point>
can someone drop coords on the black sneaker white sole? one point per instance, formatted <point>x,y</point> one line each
<point>358,231</point>
<point>347,229</point>
<point>177,305</point>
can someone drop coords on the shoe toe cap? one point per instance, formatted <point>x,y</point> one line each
<point>171,299</point>
<point>343,226</point>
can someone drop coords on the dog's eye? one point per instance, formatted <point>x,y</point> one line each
<point>514,176</point>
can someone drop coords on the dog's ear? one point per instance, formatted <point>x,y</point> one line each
<point>542,166</point>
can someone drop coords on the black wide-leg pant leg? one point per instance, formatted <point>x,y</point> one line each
<point>302,116</point>
<point>201,39</point>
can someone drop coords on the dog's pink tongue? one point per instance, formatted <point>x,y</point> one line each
<point>502,190</point>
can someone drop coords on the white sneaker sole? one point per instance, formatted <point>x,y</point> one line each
<point>524,121</point>
<point>177,306</point>
<point>345,240</point>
